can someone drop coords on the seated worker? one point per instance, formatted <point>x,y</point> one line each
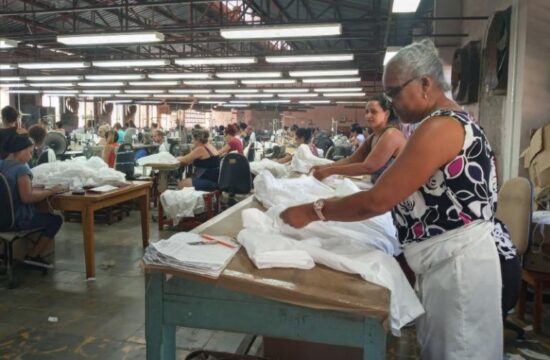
<point>101,133</point>
<point>301,136</point>
<point>38,135</point>
<point>10,117</point>
<point>129,132</point>
<point>233,143</point>
<point>243,134</point>
<point>158,138</point>
<point>19,176</point>
<point>377,153</point>
<point>110,149</point>
<point>118,128</point>
<point>206,162</point>
<point>356,136</point>
<point>59,128</point>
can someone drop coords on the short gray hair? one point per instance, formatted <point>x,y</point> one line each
<point>420,59</point>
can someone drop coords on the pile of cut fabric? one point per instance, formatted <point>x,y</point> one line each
<point>178,204</point>
<point>365,247</point>
<point>159,158</point>
<point>76,173</point>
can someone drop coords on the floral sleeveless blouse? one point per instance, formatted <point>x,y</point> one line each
<point>461,191</point>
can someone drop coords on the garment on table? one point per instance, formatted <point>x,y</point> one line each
<point>461,191</point>
<point>271,243</point>
<point>207,172</point>
<point>303,160</point>
<point>159,158</point>
<point>376,174</point>
<point>235,144</point>
<point>5,135</point>
<point>13,170</point>
<point>459,283</point>
<point>276,169</point>
<point>178,204</point>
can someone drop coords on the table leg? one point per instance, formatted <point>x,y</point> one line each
<point>153,315</point>
<point>375,341</point>
<point>168,342</point>
<point>144,210</point>
<point>88,229</point>
<point>538,307</point>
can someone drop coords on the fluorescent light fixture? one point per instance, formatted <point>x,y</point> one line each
<point>240,75</point>
<point>289,90</point>
<point>344,94</point>
<point>299,95</point>
<point>281,31</point>
<point>390,52</point>
<point>119,101</point>
<point>210,82</point>
<point>102,83</point>
<point>152,102</point>
<point>60,91</point>
<point>190,91</point>
<point>237,91</point>
<point>144,91</point>
<point>275,101</point>
<point>55,78</point>
<point>245,101</point>
<point>24,92</point>
<point>131,63</point>
<point>57,94</point>
<point>95,95</point>
<point>52,84</point>
<point>154,83</point>
<point>233,105</point>
<point>331,80</point>
<point>8,66</point>
<point>115,38</point>
<point>12,78</point>
<point>405,6</point>
<point>116,77</point>
<point>216,61</point>
<point>171,95</point>
<point>308,58</point>
<point>101,91</point>
<point>212,96</point>
<point>252,96</point>
<point>311,73</point>
<point>352,102</point>
<point>211,102</point>
<point>314,101</point>
<point>355,89</point>
<point>268,81</point>
<point>14,85</point>
<point>55,65</point>
<point>8,43</point>
<point>133,95</point>
<point>172,76</point>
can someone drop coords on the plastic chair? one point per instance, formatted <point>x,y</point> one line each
<point>515,206</point>
<point>235,176</point>
<point>8,236</point>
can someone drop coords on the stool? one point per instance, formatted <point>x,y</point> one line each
<point>537,280</point>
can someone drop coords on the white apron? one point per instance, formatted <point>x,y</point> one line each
<point>459,282</point>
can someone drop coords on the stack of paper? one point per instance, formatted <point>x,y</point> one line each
<point>180,253</point>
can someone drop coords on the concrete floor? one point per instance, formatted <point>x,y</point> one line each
<point>63,316</point>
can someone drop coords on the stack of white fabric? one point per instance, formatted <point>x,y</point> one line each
<point>76,173</point>
<point>365,248</point>
<point>178,204</point>
<point>278,170</point>
<point>303,160</point>
<point>159,158</point>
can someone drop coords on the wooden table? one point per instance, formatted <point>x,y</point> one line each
<point>317,305</point>
<point>90,202</point>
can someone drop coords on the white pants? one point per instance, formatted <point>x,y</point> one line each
<point>459,283</point>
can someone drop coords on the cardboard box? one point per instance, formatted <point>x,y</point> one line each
<point>537,257</point>
<point>536,158</point>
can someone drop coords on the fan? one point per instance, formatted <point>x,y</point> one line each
<point>56,141</point>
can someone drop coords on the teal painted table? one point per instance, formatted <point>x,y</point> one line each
<point>318,305</point>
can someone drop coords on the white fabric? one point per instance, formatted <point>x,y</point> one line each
<point>164,147</point>
<point>160,158</point>
<point>276,169</point>
<point>51,156</point>
<point>76,173</point>
<point>303,160</point>
<point>459,283</point>
<point>541,217</point>
<point>178,204</point>
<point>270,243</point>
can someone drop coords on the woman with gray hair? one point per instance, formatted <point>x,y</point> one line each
<point>442,194</point>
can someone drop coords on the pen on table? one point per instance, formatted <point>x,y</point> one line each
<point>220,241</point>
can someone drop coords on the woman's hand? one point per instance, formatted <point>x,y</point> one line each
<point>321,173</point>
<point>57,189</point>
<point>299,216</point>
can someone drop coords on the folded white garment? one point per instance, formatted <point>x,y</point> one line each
<point>303,160</point>
<point>178,204</point>
<point>278,170</point>
<point>76,173</point>
<point>264,233</point>
<point>159,158</point>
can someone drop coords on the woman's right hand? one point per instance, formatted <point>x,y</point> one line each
<point>57,189</point>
